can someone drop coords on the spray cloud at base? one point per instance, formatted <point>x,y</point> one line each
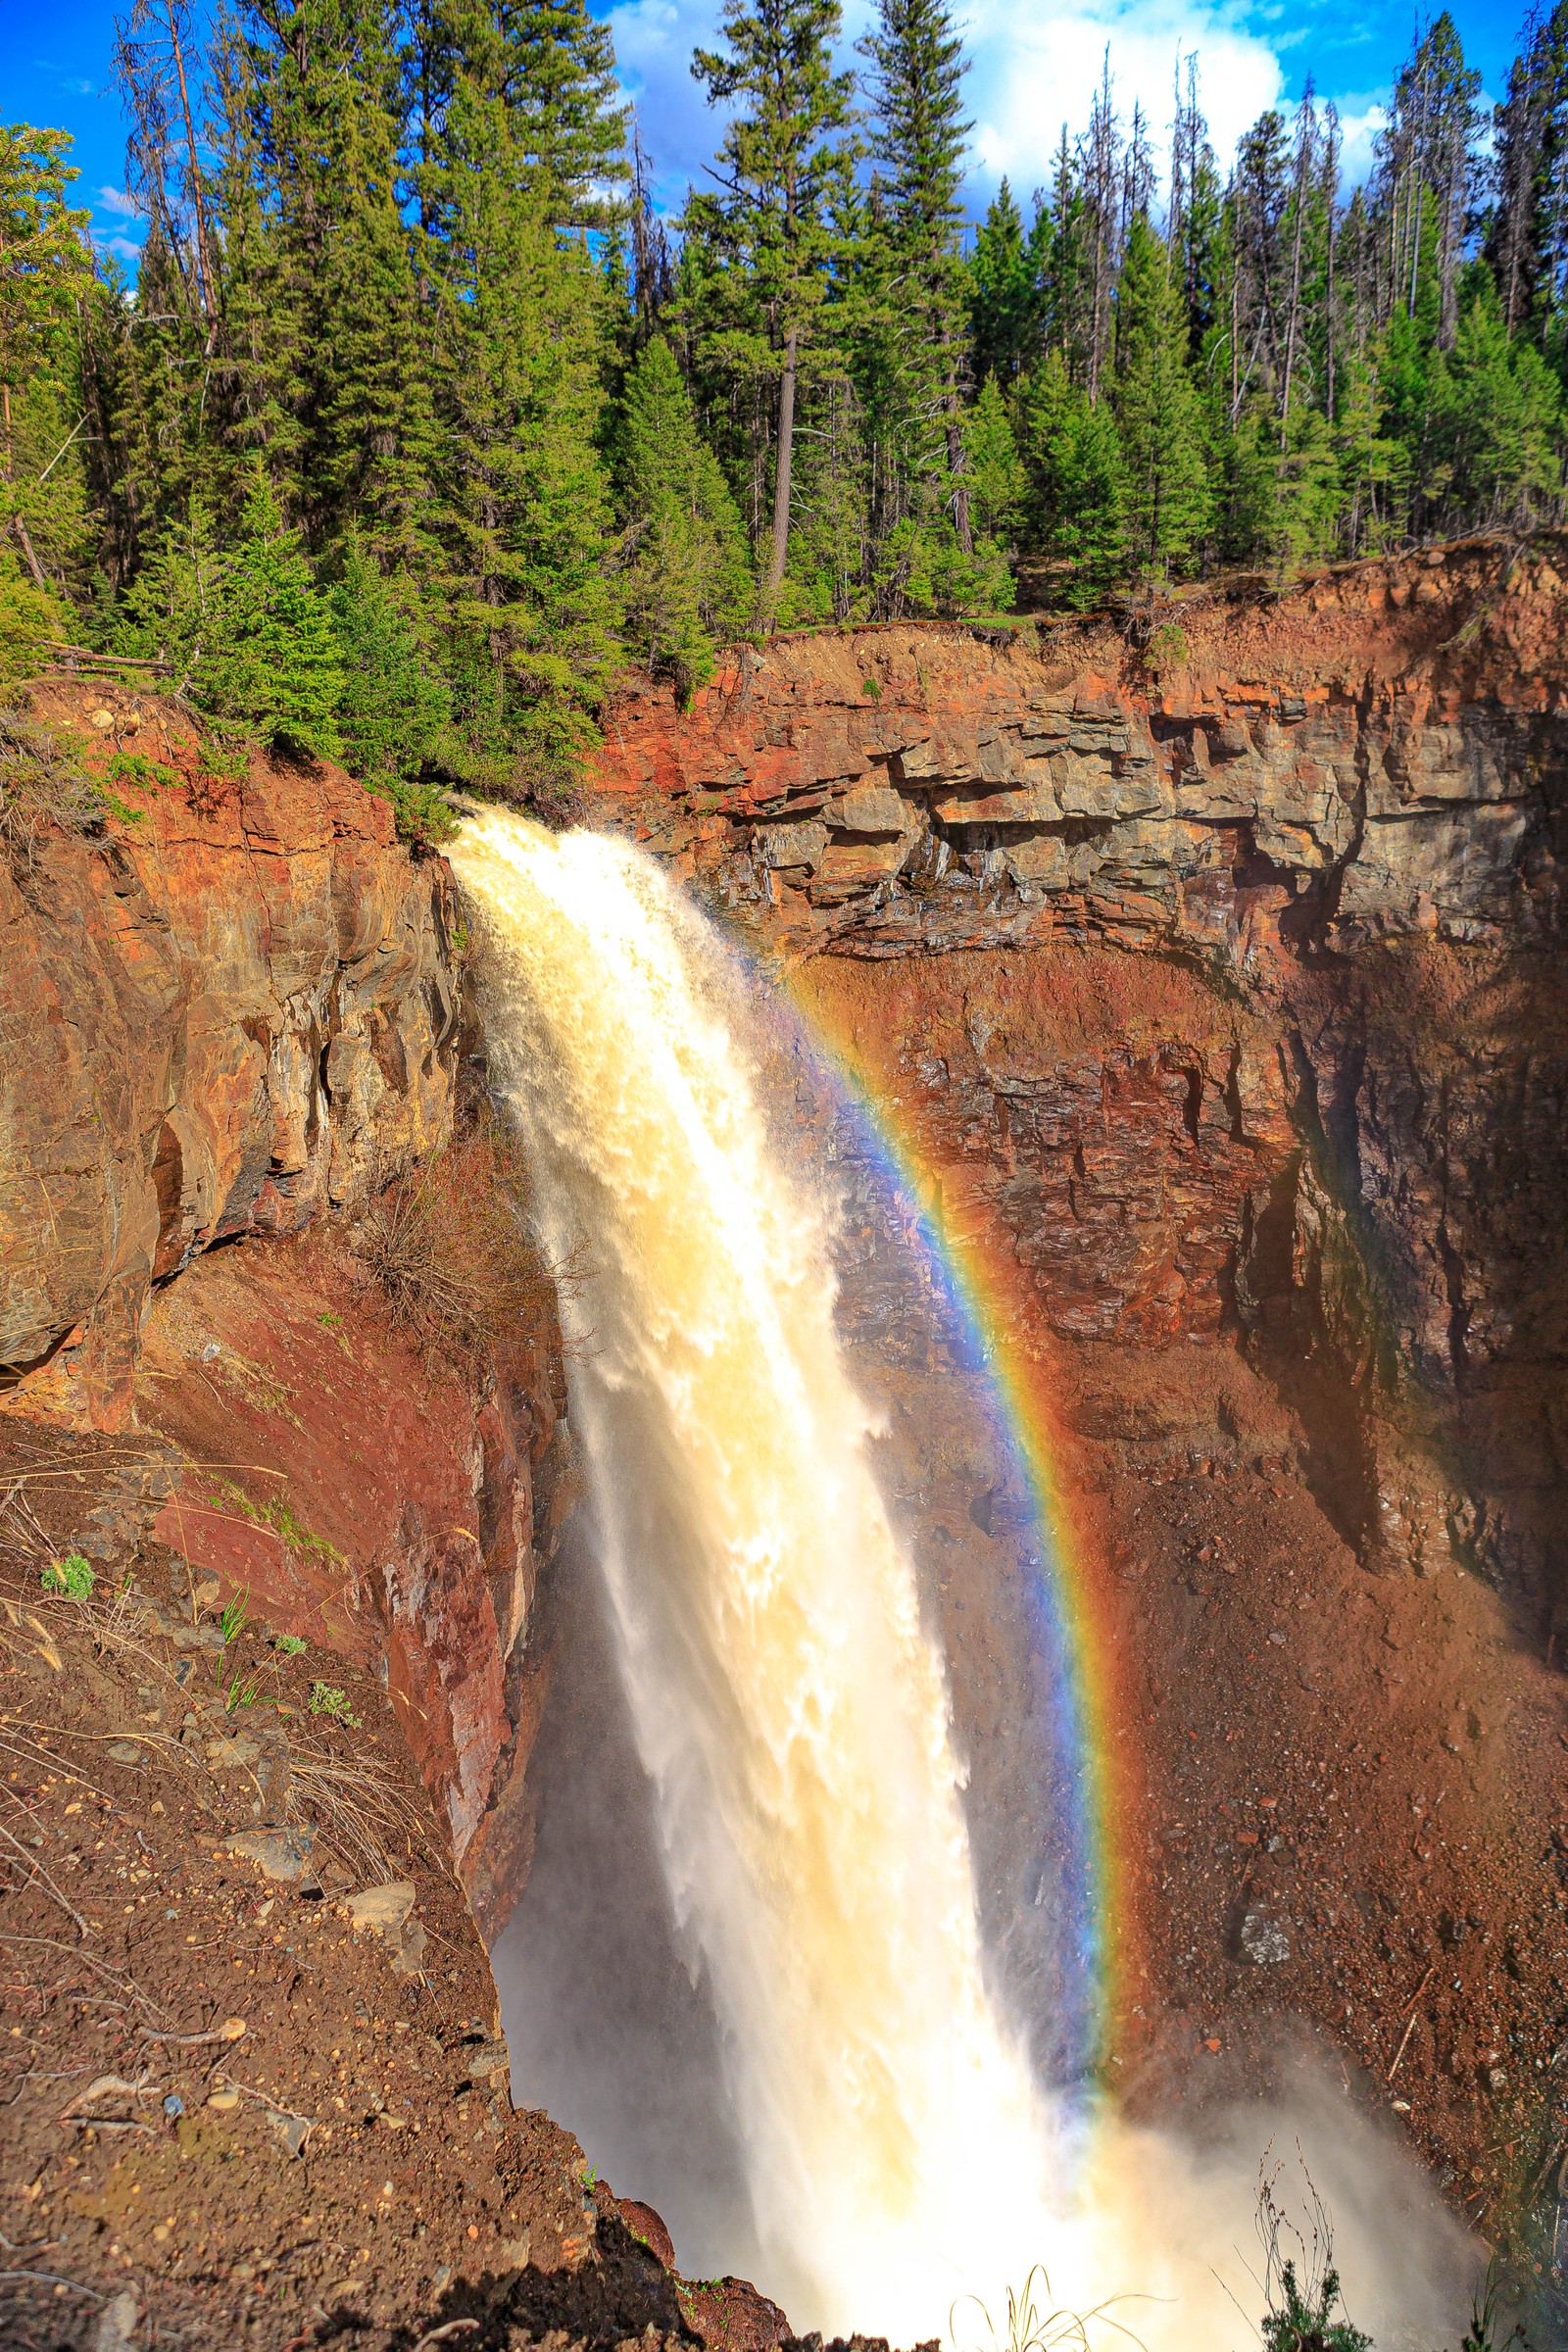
<point>789,1713</point>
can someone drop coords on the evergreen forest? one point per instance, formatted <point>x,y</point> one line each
<point>420,423</point>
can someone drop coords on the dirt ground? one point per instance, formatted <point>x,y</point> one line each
<point>254,2089</point>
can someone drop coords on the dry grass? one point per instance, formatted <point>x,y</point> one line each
<point>43,788</point>
<point>451,1247</point>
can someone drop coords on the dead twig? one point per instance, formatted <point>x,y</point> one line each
<point>36,1872</point>
<point>1409,2026</point>
<point>53,2278</point>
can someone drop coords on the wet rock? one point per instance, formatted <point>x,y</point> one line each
<point>645,2223</point>
<point>282,1854</point>
<point>1260,1938</point>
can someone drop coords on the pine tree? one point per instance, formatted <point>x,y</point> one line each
<point>1428,168</point>
<point>521,514</point>
<point>550,66</point>
<point>245,632</point>
<point>45,275</point>
<point>1002,302</point>
<point>1497,420</point>
<point>1527,241</point>
<point>689,585</point>
<point>1156,410</point>
<point>918,131</point>
<point>323,272</point>
<point>777,167</point>
<point>272,658</point>
<point>392,711</point>
<point>980,576</point>
<point>1076,485</point>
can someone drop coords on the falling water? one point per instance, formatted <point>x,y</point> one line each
<point>788,1707</point>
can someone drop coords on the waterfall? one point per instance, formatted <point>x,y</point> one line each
<point>788,1707</point>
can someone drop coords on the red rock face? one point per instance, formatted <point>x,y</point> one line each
<point>367,1503</point>
<point>234,1010</point>
<point>1304,852</point>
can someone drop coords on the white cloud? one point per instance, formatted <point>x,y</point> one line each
<point>1360,122</point>
<point>1034,67</point>
<point>115,200</point>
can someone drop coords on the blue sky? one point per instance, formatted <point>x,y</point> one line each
<point>1034,64</point>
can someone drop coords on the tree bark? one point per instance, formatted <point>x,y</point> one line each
<point>960,488</point>
<point>781,478</point>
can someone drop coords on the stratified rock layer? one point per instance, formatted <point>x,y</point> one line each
<point>1304,853</point>
<point>234,1008</point>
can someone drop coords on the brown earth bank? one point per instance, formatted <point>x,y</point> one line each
<point>1212,958</point>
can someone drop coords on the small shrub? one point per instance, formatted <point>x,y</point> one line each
<point>72,1576</point>
<point>290,1645</point>
<point>1301,2313</point>
<point>141,773</point>
<point>1166,648</point>
<point>280,1519</point>
<point>1303,2317</point>
<point>231,1624</point>
<point>239,1693</point>
<point>44,787</point>
<point>872,689</point>
<point>449,1245</point>
<point>326,1699</point>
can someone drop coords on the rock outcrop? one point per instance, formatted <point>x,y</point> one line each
<point>1374,756</point>
<point>233,1009</point>
<point>1276,1045</point>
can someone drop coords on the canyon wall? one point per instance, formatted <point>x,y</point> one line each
<point>1212,954</point>
<point>228,1007</point>
<point>1215,952</point>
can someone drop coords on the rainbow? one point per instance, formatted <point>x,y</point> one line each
<point>977,1283</point>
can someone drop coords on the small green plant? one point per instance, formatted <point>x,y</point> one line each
<point>871,688</point>
<point>239,1693</point>
<point>329,1320</point>
<point>459,939</point>
<point>231,1624</point>
<point>1482,2334</point>
<point>280,1519</point>
<point>1303,2317</point>
<point>1167,648</point>
<point>1301,2313</point>
<point>71,1576</point>
<point>290,1645</point>
<point>327,1700</point>
<point>141,773</point>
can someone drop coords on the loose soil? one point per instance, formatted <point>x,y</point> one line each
<point>231,2113</point>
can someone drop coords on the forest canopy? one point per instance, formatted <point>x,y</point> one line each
<point>420,423</point>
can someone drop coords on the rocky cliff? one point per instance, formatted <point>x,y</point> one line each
<point>230,1004</point>
<point>229,1007</point>
<point>1254,1019</point>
